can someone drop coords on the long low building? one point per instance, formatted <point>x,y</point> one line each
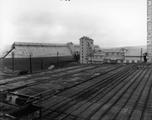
<point>23,55</point>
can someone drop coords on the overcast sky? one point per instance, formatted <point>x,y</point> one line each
<point>111,23</point>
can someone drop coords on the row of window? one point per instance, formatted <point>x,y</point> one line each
<point>149,3</point>
<point>98,56</point>
<point>113,53</point>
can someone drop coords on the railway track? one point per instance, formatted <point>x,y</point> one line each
<point>117,92</point>
<point>87,79</point>
<point>113,110</point>
<point>21,84</point>
<point>110,111</point>
<point>25,81</point>
<point>26,77</point>
<point>137,100</point>
<point>107,102</point>
<point>83,92</point>
<point>88,108</point>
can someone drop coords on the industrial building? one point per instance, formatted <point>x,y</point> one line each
<point>37,56</point>
<point>86,49</point>
<point>90,53</point>
<point>114,56</point>
<point>40,56</point>
<point>98,57</point>
<point>134,55</point>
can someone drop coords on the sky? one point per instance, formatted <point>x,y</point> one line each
<point>110,23</point>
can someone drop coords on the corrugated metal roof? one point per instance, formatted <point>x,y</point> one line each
<point>39,44</point>
<point>23,50</point>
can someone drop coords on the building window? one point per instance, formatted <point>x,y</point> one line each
<point>149,2</point>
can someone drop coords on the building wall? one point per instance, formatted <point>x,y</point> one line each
<point>113,55</point>
<point>149,29</point>
<point>86,49</point>
<point>133,59</point>
<point>42,56</point>
<point>38,63</point>
<point>96,58</point>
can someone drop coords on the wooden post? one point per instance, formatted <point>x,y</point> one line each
<point>57,58</point>
<point>141,55</point>
<point>42,64</point>
<point>30,61</point>
<point>13,63</point>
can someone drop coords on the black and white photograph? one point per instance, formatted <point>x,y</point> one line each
<point>75,59</point>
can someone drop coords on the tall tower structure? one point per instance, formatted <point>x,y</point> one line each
<point>86,49</point>
<point>149,29</point>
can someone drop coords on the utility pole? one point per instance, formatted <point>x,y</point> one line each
<point>30,61</point>
<point>57,58</point>
<point>13,62</point>
<point>41,63</point>
<point>141,55</point>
